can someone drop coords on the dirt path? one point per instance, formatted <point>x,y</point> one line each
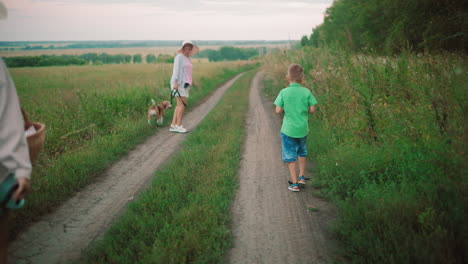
<point>272,224</point>
<point>61,236</point>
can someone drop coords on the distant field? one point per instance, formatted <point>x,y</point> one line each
<point>130,51</point>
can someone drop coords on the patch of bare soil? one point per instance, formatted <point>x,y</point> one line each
<point>272,224</point>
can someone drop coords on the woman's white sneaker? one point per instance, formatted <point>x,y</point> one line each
<point>181,129</point>
<point>173,128</point>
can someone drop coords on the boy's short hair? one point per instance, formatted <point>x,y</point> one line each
<point>295,73</point>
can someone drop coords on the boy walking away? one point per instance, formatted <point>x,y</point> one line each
<point>296,102</point>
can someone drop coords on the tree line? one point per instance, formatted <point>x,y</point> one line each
<point>230,53</point>
<point>391,26</point>
<point>225,53</point>
<point>41,45</point>
<point>83,59</point>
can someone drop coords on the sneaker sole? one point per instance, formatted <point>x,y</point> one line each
<point>293,190</point>
<point>290,182</point>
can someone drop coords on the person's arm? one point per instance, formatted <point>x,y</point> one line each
<point>175,72</point>
<point>279,103</point>
<point>14,153</point>
<point>312,102</point>
<point>311,109</point>
<point>279,110</point>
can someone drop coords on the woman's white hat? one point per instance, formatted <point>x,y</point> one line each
<point>194,50</point>
<point>3,11</point>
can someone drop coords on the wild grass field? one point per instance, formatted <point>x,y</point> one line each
<point>389,141</point>
<point>94,115</point>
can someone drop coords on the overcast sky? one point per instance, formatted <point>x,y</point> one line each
<point>54,20</point>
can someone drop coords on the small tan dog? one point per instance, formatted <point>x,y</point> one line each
<point>158,111</point>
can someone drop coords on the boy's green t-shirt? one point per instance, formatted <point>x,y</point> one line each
<point>295,101</point>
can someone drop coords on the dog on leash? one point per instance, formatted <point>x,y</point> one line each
<point>158,111</point>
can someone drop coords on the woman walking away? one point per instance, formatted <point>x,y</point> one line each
<point>180,83</point>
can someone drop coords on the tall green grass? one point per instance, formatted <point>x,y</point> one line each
<point>183,217</point>
<point>94,115</point>
<point>389,141</point>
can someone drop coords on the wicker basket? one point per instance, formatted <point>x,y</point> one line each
<point>36,141</point>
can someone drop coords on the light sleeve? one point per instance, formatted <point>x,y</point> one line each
<point>176,69</point>
<point>14,153</point>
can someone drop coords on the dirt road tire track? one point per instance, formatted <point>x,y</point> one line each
<point>60,237</point>
<point>270,223</point>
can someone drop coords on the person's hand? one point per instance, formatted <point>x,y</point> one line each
<point>312,109</point>
<point>23,189</point>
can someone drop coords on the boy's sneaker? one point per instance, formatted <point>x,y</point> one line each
<point>181,129</point>
<point>293,187</point>
<point>302,180</point>
<point>173,128</point>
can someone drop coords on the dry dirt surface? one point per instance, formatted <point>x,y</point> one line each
<point>61,236</point>
<point>270,223</point>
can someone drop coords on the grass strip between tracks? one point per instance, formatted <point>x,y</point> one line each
<point>183,217</point>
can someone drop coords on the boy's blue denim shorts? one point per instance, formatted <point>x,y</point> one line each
<point>293,148</point>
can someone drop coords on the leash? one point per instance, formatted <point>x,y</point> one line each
<point>174,94</point>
